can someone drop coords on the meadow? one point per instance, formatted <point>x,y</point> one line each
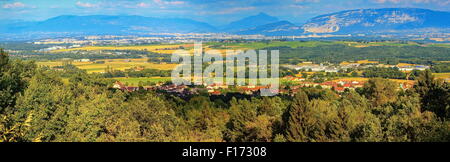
<point>163,48</point>
<point>297,44</point>
<point>116,64</point>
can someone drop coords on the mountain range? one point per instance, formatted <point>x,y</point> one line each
<point>102,24</point>
<point>248,23</point>
<point>378,21</point>
<point>362,21</point>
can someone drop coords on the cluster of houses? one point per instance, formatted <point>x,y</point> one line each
<point>309,66</point>
<point>217,89</point>
<point>179,90</point>
<point>339,85</point>
<point>314,67</point>
<point>413,67</point>
<point>123,87</point>
<point>184,90</point>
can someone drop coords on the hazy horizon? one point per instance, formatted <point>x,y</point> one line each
<point>214,12</point>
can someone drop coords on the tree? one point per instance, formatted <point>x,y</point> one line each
<point>260,130</point>
<point>44,107</point>
<point>298,114</point>
<point>144,118</point>
<point>435,94</point>
<point>241,112</point>
<point>14,77</point>
<point>380,91</point>
<point>4,60</point>
<point>406,123</point>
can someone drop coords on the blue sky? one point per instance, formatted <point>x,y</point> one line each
<point>215,12</point>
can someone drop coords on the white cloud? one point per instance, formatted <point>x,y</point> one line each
<point>165,2</point>
<point>298,6</point>
<point>133,5</point>
<point>439,2</point>
<point>14,5</point>
<point>86,5</point>
<point>143,5</point>
<point>229,10</point>
<point>313,1</point>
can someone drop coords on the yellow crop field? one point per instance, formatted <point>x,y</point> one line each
<point>367,62</point>
<point>165,49</point>
<point>360,79</point>
<point>404,64</point>
<point>360,62</point>
<point>442,75</point>
<point>50,63</point>
<point>116,64</point>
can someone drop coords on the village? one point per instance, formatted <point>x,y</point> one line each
<point>361,64</point>
<point>339,86</point>
<point>290,84</point>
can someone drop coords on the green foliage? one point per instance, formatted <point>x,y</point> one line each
<point>435,94</point>
<point>256,120</point>
<point>41,104</point>
<point>14,76</point>
<point>391,73</point>
<point>45,106</point>
<point>144,118</point>
<point>337,53</point>
<point>241,112</point>
<point>298,118</point>
<point>135,74</point>
<point>441,68</point>
<point>380,91</point>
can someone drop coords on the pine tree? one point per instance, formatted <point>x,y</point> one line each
<point>295,131</point>
<point>241,113</point>
<point>435,94</point>
<point>4,59</point>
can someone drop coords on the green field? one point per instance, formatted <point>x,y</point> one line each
<point>447,45</point>
<point>258,45</point>
<point>296,44</point>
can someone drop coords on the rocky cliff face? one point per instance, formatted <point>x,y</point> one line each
<point>377,21</point>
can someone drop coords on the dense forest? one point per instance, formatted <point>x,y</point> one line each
<point>37,105</point>
<point>385,54</point>
<point>392,73</point>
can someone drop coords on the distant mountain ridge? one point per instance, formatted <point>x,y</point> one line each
<point>249,22</point>
<point>377,21</point>
<point>102,24</point>
<point>362,21</point>
<point>280,28</point>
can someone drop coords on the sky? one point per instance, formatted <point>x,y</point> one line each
<point>215,12</point>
